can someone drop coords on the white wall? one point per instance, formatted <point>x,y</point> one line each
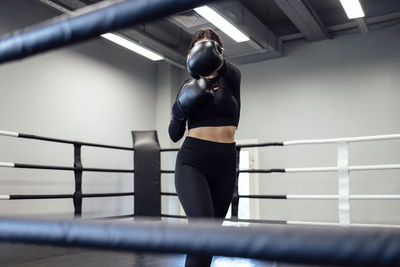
<point>346,86</point>
<point>94,92</point>
<point>169,80</point>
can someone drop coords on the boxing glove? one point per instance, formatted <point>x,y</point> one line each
<point>192,93</point>
<point>204,59</point>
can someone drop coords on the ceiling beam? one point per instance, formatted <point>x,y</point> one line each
<point>304,18</point>
<point>347,26</point>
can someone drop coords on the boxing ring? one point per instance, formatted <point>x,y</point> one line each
<point>376,244</point>
<point>340,243</point>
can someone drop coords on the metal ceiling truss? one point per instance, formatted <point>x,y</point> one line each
<point>304,18</point>
<point>349,25</point>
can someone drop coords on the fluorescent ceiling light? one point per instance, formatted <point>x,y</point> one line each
<point>216,19</point>
<point>132,46</point>
<point>353,8</point>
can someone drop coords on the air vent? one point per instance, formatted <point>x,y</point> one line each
<point>189,19</point>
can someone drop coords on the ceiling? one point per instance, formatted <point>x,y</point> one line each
<point>269,23</point>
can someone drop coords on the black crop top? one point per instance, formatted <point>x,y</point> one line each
<point>224,108</point>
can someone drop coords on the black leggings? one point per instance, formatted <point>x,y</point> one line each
<point>205,177</point>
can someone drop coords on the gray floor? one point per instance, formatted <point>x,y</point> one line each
<point>18,255</point>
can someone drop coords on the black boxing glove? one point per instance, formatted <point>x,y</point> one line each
<point>191,95</point>
<point>204,59</point>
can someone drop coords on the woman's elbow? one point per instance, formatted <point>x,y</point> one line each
<point>176,130</point>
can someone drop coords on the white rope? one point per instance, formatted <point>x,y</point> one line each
<point>351,197</point>
<point>351,168</point>
<point>6,133</point>
<point>6,165</point>
<point>342,139</point>
<point>351,224</point>
<point>375,167</point>
<point>305,197</point>
<point>312,169</point>
<point>375,197</point>
<point>375,225</point>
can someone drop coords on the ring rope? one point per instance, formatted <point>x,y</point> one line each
<point>62,168</point>
<point>288,243</point>
<point>87,23</point>
<point>59,196</point>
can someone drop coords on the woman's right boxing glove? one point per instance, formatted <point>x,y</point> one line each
<point>204,59</point>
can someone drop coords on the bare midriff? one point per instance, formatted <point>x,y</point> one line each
<point>220,134</point>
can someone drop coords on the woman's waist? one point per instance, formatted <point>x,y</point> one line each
<point>194,148</point>
<point>220,134</point>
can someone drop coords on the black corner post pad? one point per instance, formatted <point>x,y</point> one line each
<point>78,180</point>
<point>147,201</point>
<point>235,198</point>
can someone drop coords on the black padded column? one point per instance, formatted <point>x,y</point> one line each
<point>78,180</point>
<point>147,201</point>
<point>235,198</point>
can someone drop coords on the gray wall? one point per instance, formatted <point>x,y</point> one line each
<point>347,86</point>
<point>95,92</point>
<point>169,80</point>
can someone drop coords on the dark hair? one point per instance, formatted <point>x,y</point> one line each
<point>206,33</point>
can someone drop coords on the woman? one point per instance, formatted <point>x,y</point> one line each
<point>205,172</point>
